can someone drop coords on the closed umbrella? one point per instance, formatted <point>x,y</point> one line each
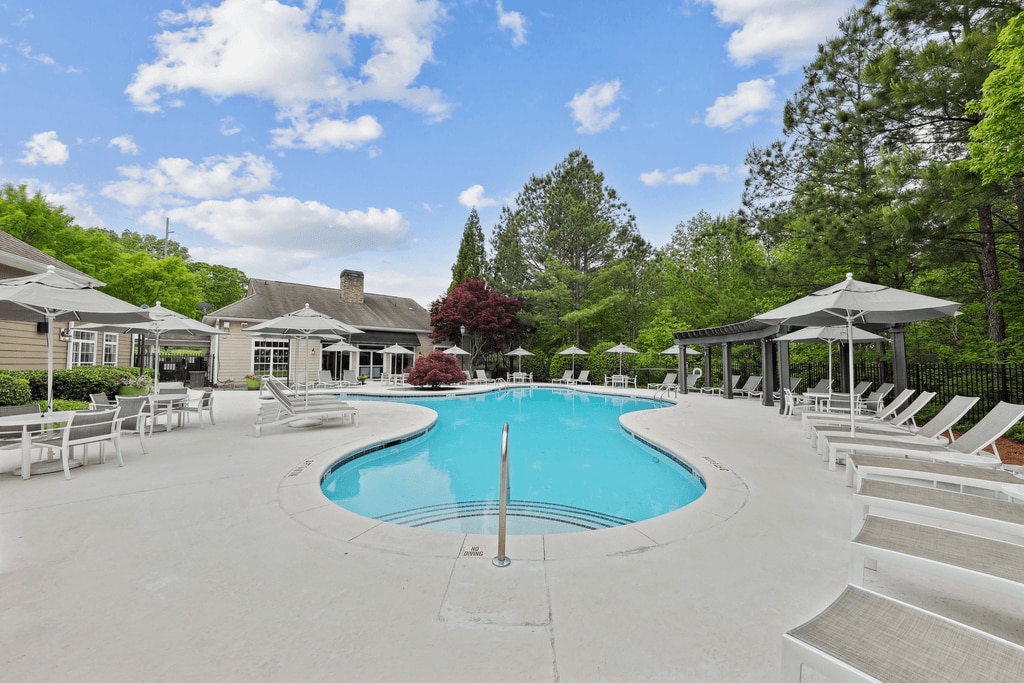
<point>160,320</point>
<point>519,352</point>
<point>621,349</point>
<point>51,297</point>
<point>304,323</point>
<point>573,351</point>
<point>852,301</point>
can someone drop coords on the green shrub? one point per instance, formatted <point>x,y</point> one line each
<point>73,384</point>
<point>14,390</point>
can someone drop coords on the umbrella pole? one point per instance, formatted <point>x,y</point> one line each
<point>50,320</point>
<point>849,342</point>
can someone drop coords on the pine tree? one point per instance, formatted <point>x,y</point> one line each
<point>471,263</point>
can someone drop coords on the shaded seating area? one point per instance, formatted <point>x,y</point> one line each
<point>285,408</point>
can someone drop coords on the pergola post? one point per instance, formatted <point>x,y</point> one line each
<point>767,372</point>
<point>707,366</point>
<point>681,372</point>
<point>899,357</point>
<point>785,381</point>
<point>727,370</point>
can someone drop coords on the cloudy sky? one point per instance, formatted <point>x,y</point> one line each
<point>293,139</point>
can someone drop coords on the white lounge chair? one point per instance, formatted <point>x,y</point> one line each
<point>564,379</point>
<point>481,378</point>
<point>670,380</point>
<point>719,390</point>
<point>750,388</point>
<point>963,476</point>
<point>839,401</point>
<point>965,450</point>
<point>866,636</point>
<point>886,416</point>
<point>283,408</point>
<point>873,402</point>
<point>961,556</point>
<point>930,433</point>
<point>583,378</point>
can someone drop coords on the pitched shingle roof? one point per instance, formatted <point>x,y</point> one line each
<point>23,256</point>
<point>268,299</point>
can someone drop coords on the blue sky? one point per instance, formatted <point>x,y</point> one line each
<point>295,139</point>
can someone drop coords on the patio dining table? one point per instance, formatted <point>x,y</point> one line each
<point>621,381</point>
<point>169,404</point>
<point>32,423</point>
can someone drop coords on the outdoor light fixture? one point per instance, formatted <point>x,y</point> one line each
<point>64,334</point>
<point>462,329</point>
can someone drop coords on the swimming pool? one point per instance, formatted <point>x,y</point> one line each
<point>571,467</point>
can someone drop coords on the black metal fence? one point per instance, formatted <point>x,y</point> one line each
<point>991,382</point>
<point>192,369</point>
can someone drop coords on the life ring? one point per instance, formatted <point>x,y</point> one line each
<point>698,372</point>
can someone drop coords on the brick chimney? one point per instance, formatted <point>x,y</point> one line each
<point>352,286</point>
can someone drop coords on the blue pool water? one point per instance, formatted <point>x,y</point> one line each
<point>571,467</point>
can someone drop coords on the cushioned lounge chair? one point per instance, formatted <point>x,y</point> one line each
<point>283,408</point>
<point>967,450</point>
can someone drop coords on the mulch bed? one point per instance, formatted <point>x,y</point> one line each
<point>1011,451</point>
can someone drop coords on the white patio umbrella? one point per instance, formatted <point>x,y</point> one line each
<point>397,350</point>
<point>160,320</point>
<point>852,301</point>
<point>520,352</point>
<point>621,349</point>
<point>456,351</point>
<point>304,323</point>
<point>573,351</point>
<point>674,350</point>
<point>51,297</point>
<point>831,333</point>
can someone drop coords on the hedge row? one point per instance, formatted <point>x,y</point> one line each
<point>18,387</point>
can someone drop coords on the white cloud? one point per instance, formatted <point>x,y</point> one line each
<point>514,22</point>
<point>694,176</point>
<point>594,109</point>
<point>125,144</point>
<point>287,226</point>
<point>45,148</point>
<point>742,107</point>
<point>174,180</point>
<point>474,196</point>
<point>230,126</point>
<point>326,133</point>
<point>786,32</point>
<point>301,58</point>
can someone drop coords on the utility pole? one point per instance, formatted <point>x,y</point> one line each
<point>167,234</point>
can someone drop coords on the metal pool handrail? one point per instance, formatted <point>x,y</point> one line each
<point>501,560</point>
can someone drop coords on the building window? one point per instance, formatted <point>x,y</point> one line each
<point>109,348</point>
<point>83,348</point>
<point>270,358</point>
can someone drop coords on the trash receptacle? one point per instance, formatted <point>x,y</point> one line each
<point>197,380</point>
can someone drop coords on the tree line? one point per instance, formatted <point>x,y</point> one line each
<point>137,268</point>
<point>900,159</point>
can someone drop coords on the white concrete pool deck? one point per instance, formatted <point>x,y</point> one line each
<point>215,558</point>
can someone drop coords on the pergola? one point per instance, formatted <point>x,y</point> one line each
<point>758,332</point>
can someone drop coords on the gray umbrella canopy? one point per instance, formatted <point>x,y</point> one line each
<point>520,352</point>
<point>852,301</point>
<point>160,320</point>
<point>50,297</point>
<point>342,346</point>
<point>304,323</point>
<point>621,349</point>
<point>573,351</point>
<point>818,334</point>
<point>674,350</point>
